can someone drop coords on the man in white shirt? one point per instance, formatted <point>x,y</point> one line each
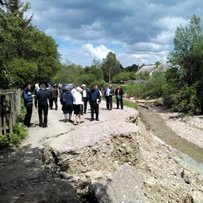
<point>85,97</point>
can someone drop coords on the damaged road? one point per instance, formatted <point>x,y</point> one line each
<point>114,160</point>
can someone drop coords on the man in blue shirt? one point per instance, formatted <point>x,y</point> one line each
<point>27,97</point>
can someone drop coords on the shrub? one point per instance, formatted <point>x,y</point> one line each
<point>11,140</point>
<point>184,99</point>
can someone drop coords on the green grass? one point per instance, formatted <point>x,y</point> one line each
<point>127,103</point>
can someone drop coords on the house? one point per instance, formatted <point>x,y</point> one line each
<point>153,68</point>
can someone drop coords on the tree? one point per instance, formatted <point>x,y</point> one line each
<point>110,66</point>
<point>21,43</point>
<point>186,40</point>
<point>134,68</point>
<point>187,55</point>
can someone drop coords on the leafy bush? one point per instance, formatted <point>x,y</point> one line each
<point>123,76</point>
<point>182,100</point>
<point>11,140</point>
<point>152,88</point>
<point>134,90</point>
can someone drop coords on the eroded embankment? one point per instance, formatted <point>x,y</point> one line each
<point>96,162</point>
<point>165,176</point>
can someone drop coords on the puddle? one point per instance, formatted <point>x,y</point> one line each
<point>190,153</point>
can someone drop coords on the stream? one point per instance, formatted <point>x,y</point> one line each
<point>190,153</point>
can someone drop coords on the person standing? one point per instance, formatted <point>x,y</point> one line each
<point>67,99</point>
<point>77,102</point>
<point>84,97</point>
<point>49,88</point>
<point>54,95</point>
<point>108,96</point>
<point>27,97</point>
<point>42,98</point>
<point>94,99</point>
<point>119,96</point>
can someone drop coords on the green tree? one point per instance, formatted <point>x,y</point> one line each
<point>124,76</point>
<point>110,66</point>
<point>187,55</point>
<point>20,41</point>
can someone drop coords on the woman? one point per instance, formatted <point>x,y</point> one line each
<point>67,104</point>
<point>77,102</point>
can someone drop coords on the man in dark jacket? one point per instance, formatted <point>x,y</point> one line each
<point>94,99</point>
<point>27,97</point>
<point>54,95</point>
<point>119,96</point>
<point>42,98</point>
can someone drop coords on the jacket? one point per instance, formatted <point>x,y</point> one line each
<point>68,98</point>
<point>41,97</point>
<point>27,97</point>
<point>94,95</point>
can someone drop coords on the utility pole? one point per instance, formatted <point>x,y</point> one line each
<point>109,73</point>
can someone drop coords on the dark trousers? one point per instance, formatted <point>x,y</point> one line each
<point>43,113</point>
<point>109,102</point>
<point>55,101</point>
<point>94,109</point>
<point>119,101</point>
<point>84,104</point>
<point>50,103</point>
<point>28,115</point>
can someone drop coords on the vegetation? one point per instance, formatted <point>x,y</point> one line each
<point>183,91</point>
<point>182,85</point>
<point>149,88</point>
<point>11,140</point>
<point>25,52</point>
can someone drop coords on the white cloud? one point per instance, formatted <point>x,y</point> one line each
<point>98,52</point>
<point>146,28</point>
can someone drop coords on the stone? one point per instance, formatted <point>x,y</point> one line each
<point>125,186</point>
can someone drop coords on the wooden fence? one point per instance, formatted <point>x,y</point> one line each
<point>10,102</point>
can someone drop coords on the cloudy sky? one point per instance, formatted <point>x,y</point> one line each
<point>137,31</point>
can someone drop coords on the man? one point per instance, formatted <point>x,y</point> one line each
<point>119,96</point>
<point>108,96</point>
<point>42,98</point>
<point>94,99</point>
<point>27,97</point>
<point>54,95</point>
<point>84,97</point>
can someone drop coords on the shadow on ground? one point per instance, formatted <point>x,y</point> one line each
<point>24,178</point>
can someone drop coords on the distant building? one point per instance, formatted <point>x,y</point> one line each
<point>153,68</point>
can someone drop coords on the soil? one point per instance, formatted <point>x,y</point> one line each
<point>59,163</point>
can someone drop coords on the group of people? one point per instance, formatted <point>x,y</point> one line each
<point>109,92</point>
<point>42,95</point>
<point>76,100</point>
<point>73,99</point>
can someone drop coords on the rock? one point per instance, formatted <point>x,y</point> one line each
<point>197,196</point>
<point>125,185</point>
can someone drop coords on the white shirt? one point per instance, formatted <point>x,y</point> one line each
<point>84,93</point>
<point>77,98</point>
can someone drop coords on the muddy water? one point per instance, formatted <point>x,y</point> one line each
<point>190,153</point>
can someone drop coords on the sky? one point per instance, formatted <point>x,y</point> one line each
<point>137,31</point>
